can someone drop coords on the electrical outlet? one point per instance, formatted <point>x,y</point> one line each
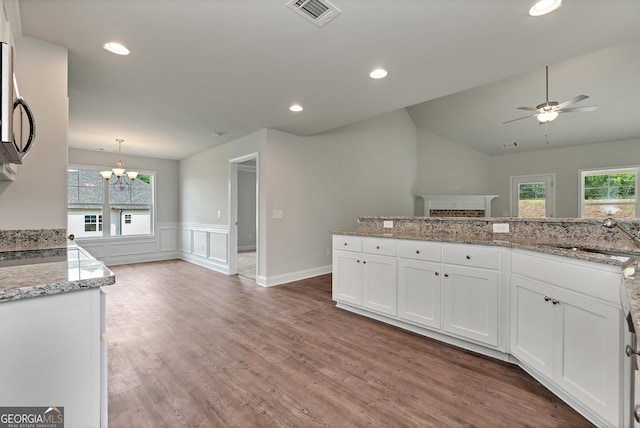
<point>278,214</point>
<point>501,228</point>
<point>387,224</point>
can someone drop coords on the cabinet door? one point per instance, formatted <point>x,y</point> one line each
<point>588,352</point>
<point>379,283</point>
<point>471,303</point>
<point>347,277</point>
<point>532,324</point>
<point>419,292</point>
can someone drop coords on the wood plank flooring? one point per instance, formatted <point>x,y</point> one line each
<point>190,347</point>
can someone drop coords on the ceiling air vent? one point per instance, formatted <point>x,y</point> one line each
<point>316,11</point>
<point>509,145</point>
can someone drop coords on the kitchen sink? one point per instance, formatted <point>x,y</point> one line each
<point>616,253</point>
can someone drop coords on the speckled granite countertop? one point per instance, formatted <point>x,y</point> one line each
<point>42,272</point>
<point>543,246</point>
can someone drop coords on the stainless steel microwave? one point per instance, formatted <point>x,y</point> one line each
<point>17,126</point>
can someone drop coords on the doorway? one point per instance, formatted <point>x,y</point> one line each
<point>243,248</point>
<point>533,196</point>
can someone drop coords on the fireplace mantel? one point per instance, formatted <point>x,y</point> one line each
<point>458,202</point>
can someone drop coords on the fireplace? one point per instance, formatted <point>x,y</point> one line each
<point>457,205</point>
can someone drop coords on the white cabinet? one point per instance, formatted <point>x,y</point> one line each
<point>420,283</point>
<point>365,274</point>
<point>471,293</point>
<point>572,339</point>
<point>347,277</point>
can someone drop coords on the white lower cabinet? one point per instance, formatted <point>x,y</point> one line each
<point>347,277</point>
<point>574,341</point>
<point>419,292</point>
<point>365,275</point>
<point>471,303</point>
<point>379,283</point>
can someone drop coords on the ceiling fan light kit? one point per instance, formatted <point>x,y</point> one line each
<point>543,7</point>
<point>549,110</point>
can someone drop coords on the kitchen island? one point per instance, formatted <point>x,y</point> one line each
<point>51,329</point>
<point>551,295</point>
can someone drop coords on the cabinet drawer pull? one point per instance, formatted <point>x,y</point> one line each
<point>555,302</point>
<point>377,247</point>
<point>357,261</point>
<point>446,275</point>
<point>345,244</point>
<point>547,298</point>
<point>364,262</point>
<point>468,257</point>
<point>417,251</point>
<point>630,351</point>
<point>437,273</point>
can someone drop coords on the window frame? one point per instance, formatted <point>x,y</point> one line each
<point>106,205</point>
<point>607,170</point>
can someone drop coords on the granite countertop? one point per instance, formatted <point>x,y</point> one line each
<point>587,252</point>
<point>42,272</point>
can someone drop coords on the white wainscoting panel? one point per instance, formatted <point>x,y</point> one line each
<point>168,237</point>
<point>200,243</point>
<point>207,245</point>
<point>218,244</point>
<point>135,249</point>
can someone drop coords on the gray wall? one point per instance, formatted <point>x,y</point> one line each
<point>320,183</point>
<point>565,163</point>
<point>37,198</point>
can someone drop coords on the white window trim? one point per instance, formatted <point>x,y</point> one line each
<point>581,172</point>
<point>550,204</point>
<point>106,214</point>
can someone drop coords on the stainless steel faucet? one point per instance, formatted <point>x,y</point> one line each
<point>612,223</point>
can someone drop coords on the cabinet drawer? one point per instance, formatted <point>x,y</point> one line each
<point>469,255</point>
<point>384,247</point>
<point>420,250</point>
<point>347,243</point>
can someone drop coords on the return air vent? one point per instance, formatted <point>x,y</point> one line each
<point>509,145</point>
<point>316,11</point>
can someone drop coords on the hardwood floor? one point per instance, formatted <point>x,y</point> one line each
<point>190,347</point>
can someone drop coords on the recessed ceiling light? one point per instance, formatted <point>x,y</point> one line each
<point>378,73</point>
<point>116,48</point>
<point>296,107</point>
<point>542,7</point>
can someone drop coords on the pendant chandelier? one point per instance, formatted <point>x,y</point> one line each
<point>124,179</point>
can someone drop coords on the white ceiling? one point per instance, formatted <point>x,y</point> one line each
<point>234,66</point>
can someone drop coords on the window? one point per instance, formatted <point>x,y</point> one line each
<point>93,201</point>
<point>609,193</point>
<point>533,196</point>
<point>92,223</point>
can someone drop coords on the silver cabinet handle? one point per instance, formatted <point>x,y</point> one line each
<point>636,412</point>
<point>630,351</point>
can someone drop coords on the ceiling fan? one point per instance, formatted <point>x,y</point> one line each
<point>549,110</point>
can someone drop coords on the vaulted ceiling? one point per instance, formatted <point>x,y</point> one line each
<point>235,66</point>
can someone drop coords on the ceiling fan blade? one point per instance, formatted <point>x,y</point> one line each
<point>578,109</point>
<point>524,117</point>
<point>573,100</point>
<point>528,108</point>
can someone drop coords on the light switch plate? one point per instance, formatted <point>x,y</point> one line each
<point>387,224</point>
<point>501,228</point>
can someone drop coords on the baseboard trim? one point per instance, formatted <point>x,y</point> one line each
<point>271,281</point>
<point>205,262</point>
